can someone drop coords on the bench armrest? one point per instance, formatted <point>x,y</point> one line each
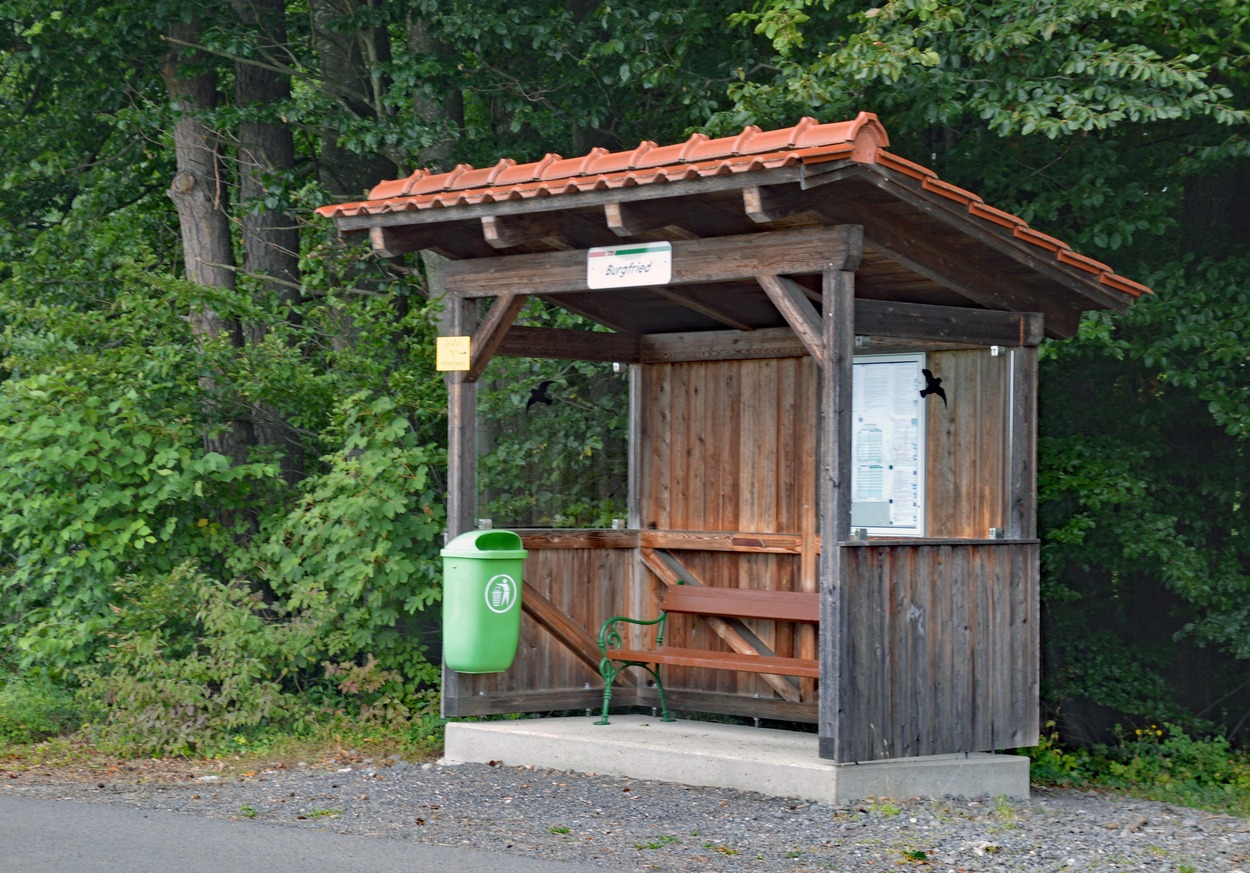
<point>610,633</point>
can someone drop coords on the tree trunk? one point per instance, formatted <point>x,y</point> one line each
<point>347,58</point>
<point>266,150</point>
<point>199,192</point>
<point>445,115</point>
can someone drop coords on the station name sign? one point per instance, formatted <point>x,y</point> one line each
<point>629,265</point>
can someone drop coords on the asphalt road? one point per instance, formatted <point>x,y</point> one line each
<point>53,836</point>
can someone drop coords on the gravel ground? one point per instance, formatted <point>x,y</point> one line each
<point>629,824</point>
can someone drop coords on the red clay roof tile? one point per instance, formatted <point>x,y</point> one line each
<point>1089,265</point>
<point>862,140</point>
<point>946,189</point>
<point>1028,234</point>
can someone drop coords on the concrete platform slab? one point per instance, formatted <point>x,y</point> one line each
<point>776,762</point>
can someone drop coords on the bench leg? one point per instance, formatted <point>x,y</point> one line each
<point>609,672</point>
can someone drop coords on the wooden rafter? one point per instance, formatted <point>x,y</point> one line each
<point>570,345</point>
<point>570,634</point>
<point>1027,255</point>
<point>688,300</point>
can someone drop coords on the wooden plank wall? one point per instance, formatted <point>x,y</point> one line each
<point>586,581</point>
<point>730,447</point>
<point>942,639</point>
<point>942,653</point>
<point>967,444</point>
<point>724,442</point>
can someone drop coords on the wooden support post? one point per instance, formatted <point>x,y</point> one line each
<point>1022,448</point>
<point>809,537</point>
<point>834,491</point>
<point>458,319</point>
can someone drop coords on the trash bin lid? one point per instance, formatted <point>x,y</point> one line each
<point>490,544</point>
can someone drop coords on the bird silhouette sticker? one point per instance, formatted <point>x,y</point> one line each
<point>539,395</point>
<point>932,385</point>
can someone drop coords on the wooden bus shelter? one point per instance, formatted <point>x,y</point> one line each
<point>793,252</point>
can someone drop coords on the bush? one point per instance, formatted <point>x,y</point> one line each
<point>34,708</point>
<point>1156,762</point>
<point>190,659</point>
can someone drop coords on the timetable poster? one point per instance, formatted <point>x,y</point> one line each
<point>887,445</point>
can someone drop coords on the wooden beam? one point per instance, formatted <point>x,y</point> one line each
<point>458,319</point>
<point>809,250</point>
<point>766,204</point>
<point>681,217</point>
<point>562,230</point>
<point>570,634</point>
<point>913,327</point>
<point>973,280</point>
<point>1022,451</point>
<point>721,541</point>
<point>490,335</point>
<point>447,240</point>
<point>570,345</point>
<point>904,242</point>
<point>834,495</point>
<point>720,345</point>
<point>506,231</point>
<point>791,301</point>
<point>625,219</point>
<point>701,186</point>
<point>951,324</point>
<point>599,308</point>
<point>954,215</point>
<point>565,539</point>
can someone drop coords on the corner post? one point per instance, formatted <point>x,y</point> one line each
<point>459,318</point>
<point>1021,518</point>
<point>834,496</point>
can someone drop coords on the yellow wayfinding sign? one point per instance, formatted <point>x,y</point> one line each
<point>628,265</point>
<point>452,353</point>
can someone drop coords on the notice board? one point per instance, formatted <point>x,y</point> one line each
<point>887,445</point>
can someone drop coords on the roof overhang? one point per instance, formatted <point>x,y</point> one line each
<point>924,241</point>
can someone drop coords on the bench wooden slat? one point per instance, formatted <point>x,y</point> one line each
<point>742,603</point>
<point>677,657</point>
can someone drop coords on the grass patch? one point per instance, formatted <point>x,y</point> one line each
<point>338,741</point>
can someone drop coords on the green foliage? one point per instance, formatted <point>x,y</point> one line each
<point>34,708</point>
<point>190,658</point>
<point>557,464</point>
<point>1120,128</point>
<point>104,472</point>
<point>1156,762</point>
<point>359,550</point>
<point>1096,121</point>
<point>1143,481</point>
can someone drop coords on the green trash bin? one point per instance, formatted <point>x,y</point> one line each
<point>482,573</point>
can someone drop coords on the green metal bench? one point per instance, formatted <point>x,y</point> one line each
<point>725,603</point>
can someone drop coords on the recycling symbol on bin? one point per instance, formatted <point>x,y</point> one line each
<point>501,593</point>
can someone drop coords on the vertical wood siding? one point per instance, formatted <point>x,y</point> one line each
<point>723,442</point>
<point>940,649</point>
<point>967,444</point>
<point>730,448</point>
